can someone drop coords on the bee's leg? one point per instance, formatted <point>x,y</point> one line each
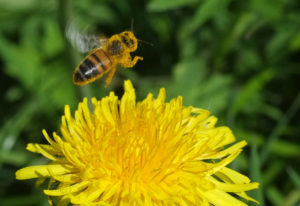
<point>131,62</point>
<point>110,76</point>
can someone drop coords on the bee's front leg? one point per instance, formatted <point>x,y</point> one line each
<point>129,62</point>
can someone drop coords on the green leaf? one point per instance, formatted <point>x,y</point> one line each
<point>278,44</point>
<point>274,195</point>
<point>248,60</point>
<point>53,42</point>
<point>22,64</point>
<point>206,11</point>
<point>268,9</point>
<point>14,157</point>
<point>37,198</point>
<point>96,13</point>
<point>272,171</point>
<point>188,79</point>
<point>57,89</point>
<point>162,26</point>
<point>295,42</point>
<point>232,38</point>
<point>159,5</point>
<point>14,94</point>
<point>202,14</point>
<point>281,147</point>
<point>295,177</point>
<point>286,148</point>
<point>191,82</point>
<point>278,129</point>
<point>214,94</point>
<point>16,123</point>
<point>30,34</point>
<point>24,4</point>
<point>255,173</point>
<point>291,199</point>
<point>270,111</point>
<point>252,87</point>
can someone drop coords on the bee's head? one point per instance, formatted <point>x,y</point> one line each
<point>129,40</point>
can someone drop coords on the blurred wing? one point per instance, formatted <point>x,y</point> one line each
<point>81,41</point>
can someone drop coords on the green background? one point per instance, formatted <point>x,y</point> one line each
<point>239,59</point>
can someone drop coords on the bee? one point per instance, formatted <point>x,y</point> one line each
<point>106,55</point>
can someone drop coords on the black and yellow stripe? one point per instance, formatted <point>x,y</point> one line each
<point>92,67</point>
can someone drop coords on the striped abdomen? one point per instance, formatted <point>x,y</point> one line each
<point>92,67</point>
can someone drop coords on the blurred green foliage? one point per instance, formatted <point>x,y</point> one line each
<point>239,59</point>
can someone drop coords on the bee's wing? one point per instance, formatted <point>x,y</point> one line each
<point>83,42</point>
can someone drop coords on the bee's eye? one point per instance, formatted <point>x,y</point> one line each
<point>127,41</point>
<point>131,42</point>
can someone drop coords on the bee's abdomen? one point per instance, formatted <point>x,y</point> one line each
<point>93,67</point>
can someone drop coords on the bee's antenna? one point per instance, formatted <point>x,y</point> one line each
<point>132,21</point>
<point>145,42</point>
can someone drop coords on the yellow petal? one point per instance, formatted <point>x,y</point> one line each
<point>68,190</point>
<point>44,150</point>
<point>90,194</point>
<point>41,171</point>
<point>229,175</point>
<point>233,187</point>
<point>48,148</point>
<point>229,150</point>
<point>220,198</point>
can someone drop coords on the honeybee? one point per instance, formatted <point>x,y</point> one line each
<point>105,56</point>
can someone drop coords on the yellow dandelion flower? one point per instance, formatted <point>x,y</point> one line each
<point>140,153</point>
